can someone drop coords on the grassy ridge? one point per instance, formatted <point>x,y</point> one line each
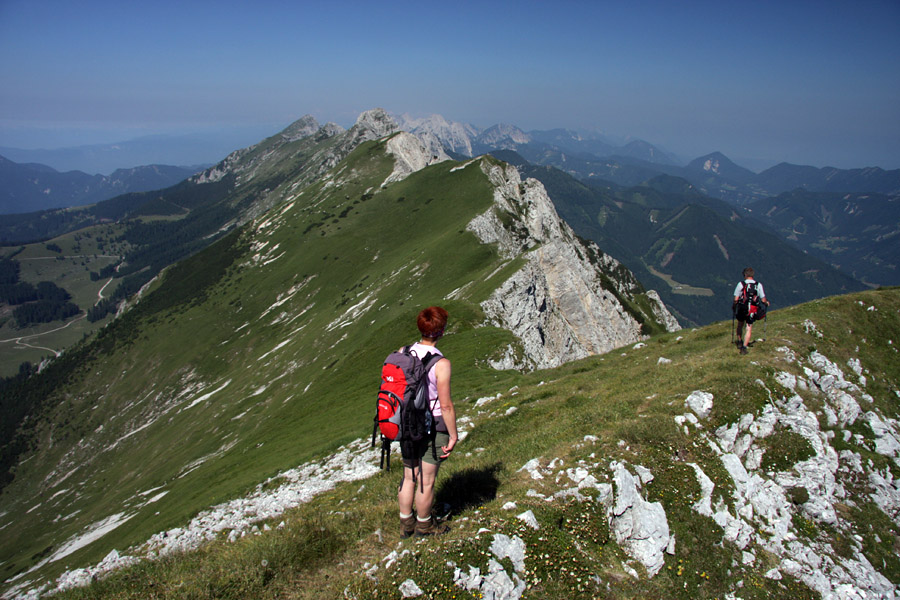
<point>256,369</point>
<point>629,403</point>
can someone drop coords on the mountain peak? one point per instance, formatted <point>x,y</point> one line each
<point>301,128</point>
<point>378,122</point>
<point>713,162</point>
<point>720,165</point>
<point>503,135</point>
<point>457,137</point>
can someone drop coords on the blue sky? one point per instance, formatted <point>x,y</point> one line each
<point>805,82</point>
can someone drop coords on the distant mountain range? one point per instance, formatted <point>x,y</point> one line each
<point>847,218</point>
<point>468,140</point>
<point>188,149</point>
<point>585,155</point>
<point>596,157</point>
<point>30,187</point>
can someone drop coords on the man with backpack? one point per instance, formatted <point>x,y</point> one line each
<point>428,436</point>
<point>749,306</point>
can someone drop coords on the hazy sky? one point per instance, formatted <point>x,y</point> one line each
<point>813,82</point>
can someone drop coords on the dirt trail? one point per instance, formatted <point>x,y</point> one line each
<point>22,340</point>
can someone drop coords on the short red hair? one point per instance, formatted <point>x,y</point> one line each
<point>432,321</point>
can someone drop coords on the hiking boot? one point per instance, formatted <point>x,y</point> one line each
<point>430,527</point>
<point>407,526</point>
<point>743,349</point>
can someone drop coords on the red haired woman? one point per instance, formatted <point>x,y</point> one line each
<point>428,458</point>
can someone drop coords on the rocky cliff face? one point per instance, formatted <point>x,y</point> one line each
<point>410,155</point>
<point>457,137</point>
<point>557,304</point>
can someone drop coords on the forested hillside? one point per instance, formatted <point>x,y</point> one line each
<point>689,247</point>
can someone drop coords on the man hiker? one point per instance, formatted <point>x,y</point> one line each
<point>749,305</point>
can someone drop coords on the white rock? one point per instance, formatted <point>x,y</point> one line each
<point>700,402</point>
<point>529,519</point>
<point>533,467</point>
<point>513,548</point>
<point>409,589</point>
<point>640,527</point>
<point>470,581</point>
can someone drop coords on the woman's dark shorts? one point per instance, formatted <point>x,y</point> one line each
<point>425,453</point>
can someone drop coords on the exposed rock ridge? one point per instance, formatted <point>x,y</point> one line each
<point>457,137</point>
<point>410,155</point>
<point>304,127</point>
<point>245,163</point>
<point>556,304</point>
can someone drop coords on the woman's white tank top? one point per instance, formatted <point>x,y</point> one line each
<point>421,350</point>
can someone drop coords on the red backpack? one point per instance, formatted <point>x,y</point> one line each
<point>749,307</point>
<point>402,411</point>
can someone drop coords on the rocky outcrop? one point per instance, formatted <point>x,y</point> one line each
<point>660,311</point>
<point>561,304</point>
<point>456,137</point>
<point>371,125</point>
<point>410,155</point>
<point>760,511</point>
<point>640,527</point>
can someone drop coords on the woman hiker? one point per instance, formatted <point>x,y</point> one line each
<point>420,470</point>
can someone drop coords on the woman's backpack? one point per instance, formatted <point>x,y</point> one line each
<point>402,411</point>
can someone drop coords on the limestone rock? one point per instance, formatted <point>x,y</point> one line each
<point>640,527</point>
<point>559,304</point>
<point>410,155</point>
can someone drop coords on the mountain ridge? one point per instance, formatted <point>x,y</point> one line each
<point>260,321</point>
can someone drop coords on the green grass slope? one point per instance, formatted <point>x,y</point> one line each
<point>577,422</point>
<point>249,357</point>
<point>151,230</point>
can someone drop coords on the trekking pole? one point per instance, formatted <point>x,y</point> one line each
<point>732,324</point>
